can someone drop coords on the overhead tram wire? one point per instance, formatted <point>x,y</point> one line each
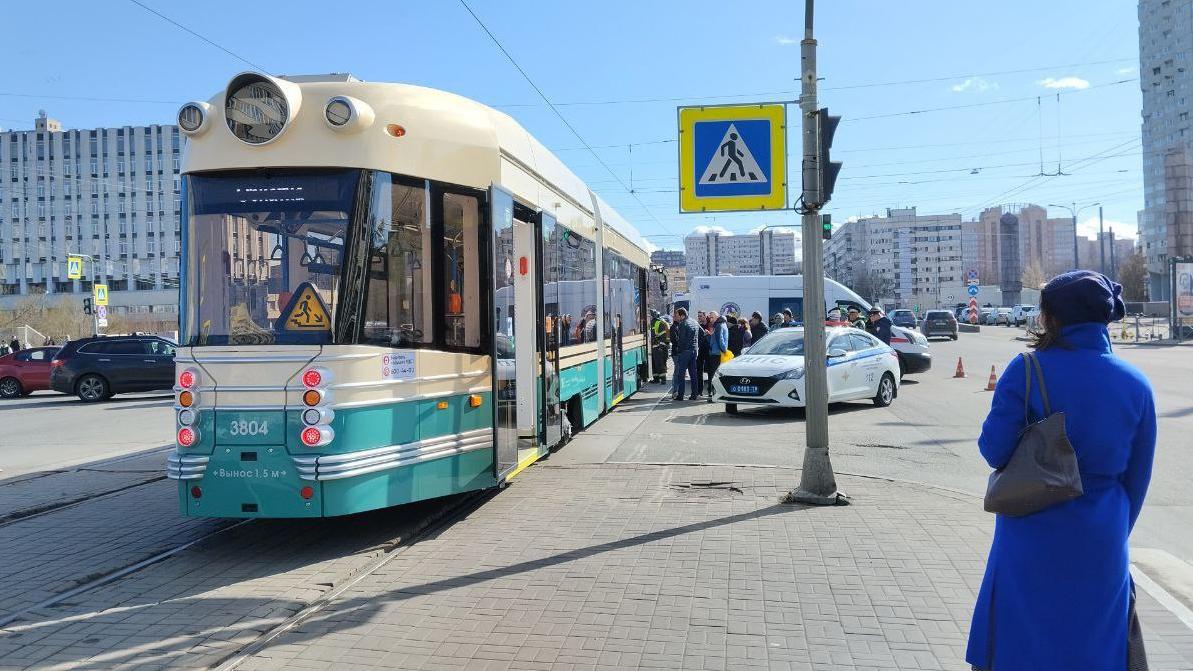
<point>559,114</point>
<point>789,93</point>
<point>222,48</point>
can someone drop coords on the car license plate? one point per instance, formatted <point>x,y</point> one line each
<point>743,389</point>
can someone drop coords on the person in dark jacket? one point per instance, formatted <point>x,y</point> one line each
<point>1057,591</point>
<point>758,327</point>
<point>686,336</point>
<point>702,356</point>
<point>15,345</point>
<point>737,336</point>
<point>747,338</point>
<point>879,326</point>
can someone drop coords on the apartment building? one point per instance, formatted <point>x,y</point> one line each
<point>110,193</point>
<point>768,252</point>
<point>904,258</point>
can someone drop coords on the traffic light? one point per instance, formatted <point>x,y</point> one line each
<point>86,306</point>
<point>826,127</point>
<point>826,226</point>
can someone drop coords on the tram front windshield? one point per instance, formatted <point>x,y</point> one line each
<point>265,252</point>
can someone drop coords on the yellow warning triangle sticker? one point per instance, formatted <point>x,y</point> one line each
<point>306,311</point>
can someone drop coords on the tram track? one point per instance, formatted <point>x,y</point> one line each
<point>96,581</point>
<point>432,524</point>
<point>28,512</point>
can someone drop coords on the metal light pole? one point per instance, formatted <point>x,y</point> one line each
<point>1101,244</point>
<point>818,485</point>
<point>1074,210</point>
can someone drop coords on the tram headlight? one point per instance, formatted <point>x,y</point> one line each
<point>257,108</point>
<point>313,416</point>
<point>192,118</point>
<point>347,114</point>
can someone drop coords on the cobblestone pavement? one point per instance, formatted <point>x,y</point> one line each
<point>677,567</point>
<point>199,606</point>
<point>26,494</point>
<point>46,555</point>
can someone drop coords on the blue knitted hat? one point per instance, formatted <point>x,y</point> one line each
<point>1080,296</point>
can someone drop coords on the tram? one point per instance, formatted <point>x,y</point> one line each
<point>389,293</point>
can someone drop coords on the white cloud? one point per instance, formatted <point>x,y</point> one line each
<point>1064,83</point>
<point>1126,71</point>
<point>702,230</point>
<point>974,84</point>
<point>785,40</point>
<point>1122,229</point>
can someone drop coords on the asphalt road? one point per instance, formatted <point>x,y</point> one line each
<point>49,431</point>
<point>928,435</point>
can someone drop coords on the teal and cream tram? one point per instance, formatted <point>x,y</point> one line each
<point>390,293</point>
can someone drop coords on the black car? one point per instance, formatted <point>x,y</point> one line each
<point>95,368</point>
<point>939,323</point>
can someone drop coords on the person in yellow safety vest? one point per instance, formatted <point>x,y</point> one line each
<point>661,341</point>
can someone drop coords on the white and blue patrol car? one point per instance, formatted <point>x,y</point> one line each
<point>771,372</point>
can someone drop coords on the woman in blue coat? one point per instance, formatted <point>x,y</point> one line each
<point>1056,591</point>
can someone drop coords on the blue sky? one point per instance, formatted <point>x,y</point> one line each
<point>993,58</point>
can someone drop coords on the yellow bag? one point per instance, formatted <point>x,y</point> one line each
<point>726,356</point>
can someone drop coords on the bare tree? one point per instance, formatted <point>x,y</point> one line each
<point>1132,274</point>
<point>873,286</point>
<point>1033,277</point>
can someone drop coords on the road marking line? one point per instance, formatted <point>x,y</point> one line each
<point>1166,599</point>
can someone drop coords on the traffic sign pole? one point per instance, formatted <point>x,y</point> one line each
<point>818,484</point>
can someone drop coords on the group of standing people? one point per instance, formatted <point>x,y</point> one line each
<point>699,344</point>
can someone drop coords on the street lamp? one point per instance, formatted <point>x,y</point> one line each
<point>1074,210</point>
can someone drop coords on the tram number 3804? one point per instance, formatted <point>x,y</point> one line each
<point>251,428</point>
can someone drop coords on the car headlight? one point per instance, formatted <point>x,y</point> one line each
<point>793,374</point>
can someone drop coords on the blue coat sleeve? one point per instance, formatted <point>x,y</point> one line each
<point>1139,464</point>
<point>723,337</point>
<point>1000,431</point>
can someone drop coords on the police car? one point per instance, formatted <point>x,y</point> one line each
<point>771,372</point>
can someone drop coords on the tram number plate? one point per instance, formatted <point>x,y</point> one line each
<point>240,427</point>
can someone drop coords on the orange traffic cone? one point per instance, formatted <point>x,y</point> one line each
<point>993,380</point>
<point>960,369</point>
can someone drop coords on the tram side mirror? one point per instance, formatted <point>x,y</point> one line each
<point>836,353</point>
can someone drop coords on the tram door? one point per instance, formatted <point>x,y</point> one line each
<point>505,363</point>
<point>548,379</point>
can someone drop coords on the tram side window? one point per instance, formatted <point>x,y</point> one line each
<point>461,270</point>
<point>398,304</point>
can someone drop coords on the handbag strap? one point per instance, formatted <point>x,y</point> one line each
<point>1027,391</point>
<point>1035,363</point>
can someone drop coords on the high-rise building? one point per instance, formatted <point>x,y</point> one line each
<point>110,193</point>
<point>768,252</point>
<point>1166,79</point>
<point>903,258</point>
<point>1033,244</point>
<point>677,280</point>
<point>667,258</point>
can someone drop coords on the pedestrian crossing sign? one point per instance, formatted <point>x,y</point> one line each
<point>101,294</point>
<point>74,267</point>
<point>733,158</point>
<point>305,311</point>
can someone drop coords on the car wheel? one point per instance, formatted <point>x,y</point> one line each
<point>886,391</point>
<point>92,388</point>
<point>10,387</point>
<point>731,408</point>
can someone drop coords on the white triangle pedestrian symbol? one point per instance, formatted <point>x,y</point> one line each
<point>733,163</point>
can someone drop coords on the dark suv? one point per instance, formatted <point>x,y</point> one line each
<point>96,368</point>
<point>939,323</point>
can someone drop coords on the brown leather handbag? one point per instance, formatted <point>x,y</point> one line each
<point>1042,471</point>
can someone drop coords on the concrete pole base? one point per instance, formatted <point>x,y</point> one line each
<point>837,498</point>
